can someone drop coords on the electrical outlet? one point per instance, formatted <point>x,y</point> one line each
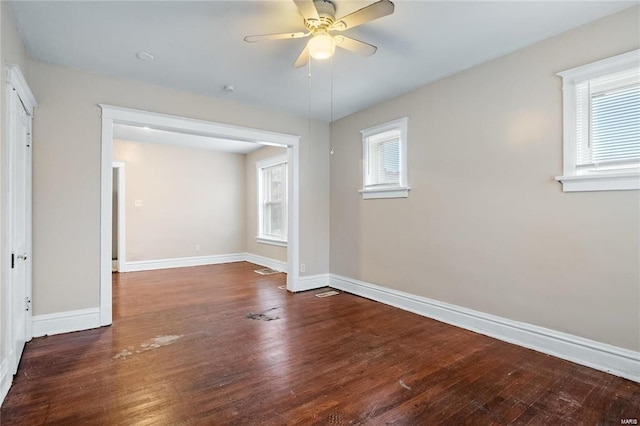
<point>137,203</point>
<point>197,247</point>
<point>303,268</point>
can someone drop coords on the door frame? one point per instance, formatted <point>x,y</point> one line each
<point>15,82</point>
<point>119,170</point>
<point>119,115</point>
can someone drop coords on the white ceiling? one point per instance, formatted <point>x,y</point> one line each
<point>199,46</point>
<point>145,134</point>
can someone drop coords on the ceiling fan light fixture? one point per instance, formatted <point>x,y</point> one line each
<point>321,46</point>
<point>319,18</point>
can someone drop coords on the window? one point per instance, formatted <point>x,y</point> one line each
<point>601,103</point>
<point>272,200</point>
<point>384,149</point>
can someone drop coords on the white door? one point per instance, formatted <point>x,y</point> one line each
<point>19,186</point>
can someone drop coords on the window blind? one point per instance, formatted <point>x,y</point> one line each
<point>274,201</point>
<point>384,158</point>
<point>608,120</point>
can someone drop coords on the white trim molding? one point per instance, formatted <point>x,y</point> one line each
<point>263,238</point>
<point>576,177</point>
<point>600,182</point>
<point>395,192</point>
<point>16,79</point>
<point>271,241</point>
<point>182,262</point>
<point>66,322</point>
<point>274,264</point>
<point>6,379</point>
<point>119,115</point>
<point>371,189</point>
<point>185,262</point>
<point>600,356</point>
<point>313,282</point>
<point>106,218</point>
<point>601,67</point>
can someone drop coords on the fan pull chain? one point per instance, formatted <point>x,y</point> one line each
<point>331,113</point>
<point>309,130</point>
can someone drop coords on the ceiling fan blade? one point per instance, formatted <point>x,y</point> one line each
<point>282,36</point>
<point>307,9</point>
<point>303,59</point>
<point>366,14</point>
<point>355,46</point>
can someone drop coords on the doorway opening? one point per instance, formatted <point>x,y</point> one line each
<point>117,115</point>
<point>118,226</point>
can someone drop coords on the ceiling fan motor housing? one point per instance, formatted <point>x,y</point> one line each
<point>326,12</point>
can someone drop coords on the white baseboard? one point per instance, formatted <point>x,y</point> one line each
<point>312,282</point>
<point>66,322</point>
<point>106,314</point>
<point>600,356</point>
<point>278,265</point>
<point>182,262</point>
<point>6,379</point>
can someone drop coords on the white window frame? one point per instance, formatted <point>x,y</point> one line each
<point>574,179</point>
<point>385,191</point>
<point>262,164</point>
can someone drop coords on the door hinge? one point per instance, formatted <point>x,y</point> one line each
<point>27,304</point>
<point>28,140</point>
<point>13,260</point>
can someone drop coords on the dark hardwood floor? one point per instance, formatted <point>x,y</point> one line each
<point>216,345</point>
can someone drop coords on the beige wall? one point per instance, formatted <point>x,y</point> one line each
<point>253,247</point>
<point>11,52</point>
<point>485,225</point>
<point>190,197</point>
<point>67,129</point>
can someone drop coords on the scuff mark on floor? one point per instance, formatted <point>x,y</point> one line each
<point>147,345</point>
<point>262,316</point>
<point>327,293</point>
<point>159,341</point>
<point>266,271</point>
<point>403,384</point>
<point>122,354</point>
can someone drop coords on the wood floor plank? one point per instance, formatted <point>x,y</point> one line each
<point>223,345</point>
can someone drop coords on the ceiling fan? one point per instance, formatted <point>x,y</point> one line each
<point>319,19</point>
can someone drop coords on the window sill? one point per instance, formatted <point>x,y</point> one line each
<point>618,181</point>
<point>271,241</point>
<point>393,192</point>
